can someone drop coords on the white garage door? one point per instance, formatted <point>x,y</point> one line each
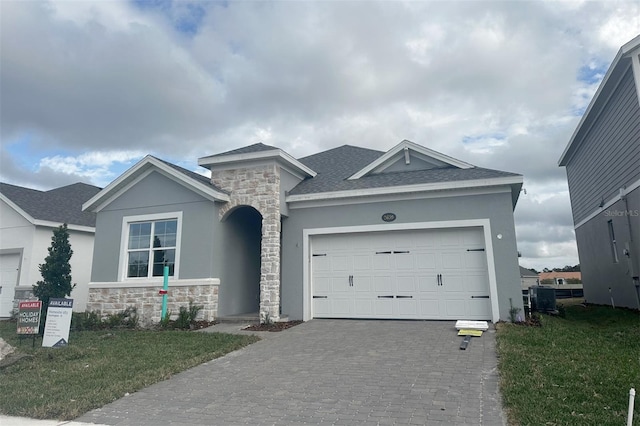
<point>9,264</point>
<point>417,274</point>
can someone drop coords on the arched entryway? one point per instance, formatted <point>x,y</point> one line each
<point>240,286</point>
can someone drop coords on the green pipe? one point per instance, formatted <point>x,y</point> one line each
<point>166,289</point>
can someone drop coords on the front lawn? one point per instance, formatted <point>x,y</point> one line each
<point>99,367</point>
<point>575,370</point>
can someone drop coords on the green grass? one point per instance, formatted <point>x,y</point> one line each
<point>575,370</point>
<point>99,367</point>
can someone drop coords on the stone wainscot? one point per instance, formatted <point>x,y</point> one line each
<point>111,298</point>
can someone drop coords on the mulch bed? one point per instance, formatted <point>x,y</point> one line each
<point>274,326</point>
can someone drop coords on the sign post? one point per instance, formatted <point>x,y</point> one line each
<point>29,318</point>
<point>56,329</point>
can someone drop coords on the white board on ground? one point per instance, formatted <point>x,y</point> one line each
<point>56,328</point>
<point>473,325</point>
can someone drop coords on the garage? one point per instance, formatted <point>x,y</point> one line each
<point>404,274</point>
<point>9,266</point>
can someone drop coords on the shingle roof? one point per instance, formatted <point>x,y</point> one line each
<point>524,272</point>
<point>61,205</point>
<point>193,175</point>
<point>256,147</point>
<point>336,165</point>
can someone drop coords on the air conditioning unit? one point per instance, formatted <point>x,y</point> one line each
<point>543,299</point>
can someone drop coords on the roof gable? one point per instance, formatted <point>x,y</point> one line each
<point>190,180</point>
<point>57,206</point>
<point>405,153</point>
<point>251,154</point>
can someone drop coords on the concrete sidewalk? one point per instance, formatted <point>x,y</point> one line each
<point>24,421</point>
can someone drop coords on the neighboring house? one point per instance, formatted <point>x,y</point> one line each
<point>528,278</point>
<point>346,233</point>
<point>560,278</point>
<point>27,220</point>
<point>602,161</point>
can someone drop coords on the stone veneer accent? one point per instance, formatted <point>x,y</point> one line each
<point>259,187</point>
<point>111,298</point>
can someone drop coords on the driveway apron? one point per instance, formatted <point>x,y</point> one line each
<point>330,372</point>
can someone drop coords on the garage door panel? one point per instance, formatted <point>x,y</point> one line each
<point>404,261</point>
<point>382,262</point>
<point>429,308</point>
<point>362,284</point>
<point>406,284</point>
<point>340,285</point>
<point>341,307</point>
<point>341,263</point>
<point>321,307</point>
<point>425,260</point>
<point>322,285</point>
<point>384,284</point>
<point>451,260</point>
<point>407,308</point>
<point>383,308</point>
<point>362,262</point>
<point>9,271</point>
<point>454,308</point>
<point>452,284</point>
<point>428,283</point>
<point>364,307</point>
<point>475,260</point>
<point>477,308</point>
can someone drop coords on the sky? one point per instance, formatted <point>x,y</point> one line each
<point>88,88</point>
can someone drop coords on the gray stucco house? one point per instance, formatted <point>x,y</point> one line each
<point>346,233</point>
<point>602,160</point>
<point>27,220</point>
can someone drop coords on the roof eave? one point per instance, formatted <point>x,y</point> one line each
<point>515,182</point>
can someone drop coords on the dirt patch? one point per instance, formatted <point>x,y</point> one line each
<point>274,326</point>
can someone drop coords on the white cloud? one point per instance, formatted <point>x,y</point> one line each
<point>95,166</point>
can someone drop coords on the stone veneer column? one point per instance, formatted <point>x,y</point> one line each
<point>259,187</point>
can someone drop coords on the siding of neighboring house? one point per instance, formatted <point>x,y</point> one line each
<point>18,235</point>
<point>609,155</point>
<point>599,271</point>
<point>497,207</point>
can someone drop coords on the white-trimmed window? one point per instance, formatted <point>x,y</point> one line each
<point>149,243</point>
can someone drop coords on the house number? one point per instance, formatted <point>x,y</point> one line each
<point>388,217</point>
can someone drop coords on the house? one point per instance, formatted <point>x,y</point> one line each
<point>345,233</point>
<point>602,161</point>
<point>27,220</point>
<point>528,278</point>
<point>560,278</point>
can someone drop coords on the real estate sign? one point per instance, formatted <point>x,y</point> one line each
<point>56,329</point>
<point>29,316</point>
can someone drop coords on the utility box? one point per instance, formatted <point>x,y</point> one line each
<point>543,299</point>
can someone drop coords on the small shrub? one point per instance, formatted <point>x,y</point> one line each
<point>165,321</point>
<point>562,311</point>
<point>88,320</point>
<point>188,316</point>
<point>127,318</point>
<point>184,319</point>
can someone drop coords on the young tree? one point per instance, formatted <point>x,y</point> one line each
<point>56,270</point>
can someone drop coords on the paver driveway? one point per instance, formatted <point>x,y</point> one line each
<point>343,372</point>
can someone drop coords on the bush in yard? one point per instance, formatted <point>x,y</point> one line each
<point>188,316</point>
<point>90,321</point>
<point>123,319</point>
